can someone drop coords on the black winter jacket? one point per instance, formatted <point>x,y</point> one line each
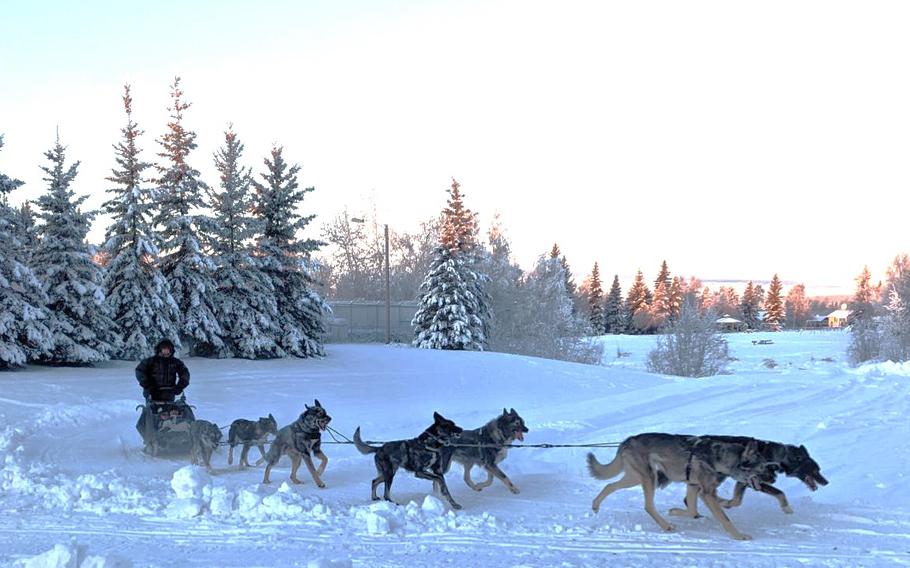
<point>162,378</point>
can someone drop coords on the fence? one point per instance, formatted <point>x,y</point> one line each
<point>364,322</point>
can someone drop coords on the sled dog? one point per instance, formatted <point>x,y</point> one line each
<point>655,460</point>
<point>422,455</point>
<point>301,440</point>
<point>249,433</point>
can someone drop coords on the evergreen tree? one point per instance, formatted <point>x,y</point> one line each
<point>570,280</point>
<point>797,306</point>
<point>448,316</point>
<point>83,331</point>
<point>187,270</point>
<point>749,306</point>
<point>774,305</point>
<point>458,232</point>
<point>287,260</point>
<point>659,310</point>
<point>26,230</point>
<point>614,318</point>
<point>675,297</point>
<point>595,302</point>
<point>503,289</point>
<point>637,305</point>
<point>454,307</point>
<point>24,334</point>
<point>245,303</point>
<point>136,292</point>
<point>726,302</point>
<point>663,275</point>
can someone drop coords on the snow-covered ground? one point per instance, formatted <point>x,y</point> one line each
<point>76,490</point>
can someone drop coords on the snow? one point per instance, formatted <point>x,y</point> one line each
<point>76,490</point>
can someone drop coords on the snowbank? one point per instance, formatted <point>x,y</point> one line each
<point>73,556</point>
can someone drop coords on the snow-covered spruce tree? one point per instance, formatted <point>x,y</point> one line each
<point>865,336</point>
<point>614,316</point>
<point>570,279</point>
<point>286,259</point>
<point>595,302</point>
<point>774,303</point>
<point>25,229</point>
<point>245,302</point>
<point>187,269</point>
<point>24,334</point>
<point>454,307</point>
<point>83,331</point>
<point>448,316</point>
<point>139,298</point>
<point>675,296</point>
<point>690,346</point>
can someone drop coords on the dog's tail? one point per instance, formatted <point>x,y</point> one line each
<point>605,471</point>
<point>362,447</point>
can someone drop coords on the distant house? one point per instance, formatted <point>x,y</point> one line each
<point>816,322</point>
<point>729,324</point>
<point>840,318</point>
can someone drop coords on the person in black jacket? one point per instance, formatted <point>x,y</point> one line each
<point>162,377</point>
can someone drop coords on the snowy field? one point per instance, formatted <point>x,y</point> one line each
<point>73,474</point>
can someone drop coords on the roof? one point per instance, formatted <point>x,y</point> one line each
<point>728,319</point>
<point>840,314</point>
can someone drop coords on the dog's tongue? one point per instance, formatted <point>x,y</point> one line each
<point>520,435</point>
<point>811,483</point>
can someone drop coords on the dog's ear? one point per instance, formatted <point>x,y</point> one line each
<point>272,418</point>
<point>306,406</point>
<point>512,412</point>
<point>504,411</point>
<point>437,417</point>
<point>317,403</point>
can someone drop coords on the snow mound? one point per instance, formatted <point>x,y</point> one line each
<point>887,368</point>
<point>195,494</point>
<point>386,518</point>
<point>73,556</point>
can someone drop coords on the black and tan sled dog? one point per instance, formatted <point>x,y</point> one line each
<point>301,440</point>
<point>423,455</point>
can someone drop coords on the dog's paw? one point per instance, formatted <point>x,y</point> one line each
<point>740,536</point>
<point>456,506</point>
<point>669,528</point>
<point>595,508</point>
<point>514,490</point>
<point>320,485</point>
<point>296,481</point>
<point>787,509</point>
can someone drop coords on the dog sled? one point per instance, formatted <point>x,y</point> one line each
<point>165,427</point>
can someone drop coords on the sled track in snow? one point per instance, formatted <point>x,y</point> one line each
<point>381,550</point>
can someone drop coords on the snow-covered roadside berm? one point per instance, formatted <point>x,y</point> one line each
<point>75,489</point>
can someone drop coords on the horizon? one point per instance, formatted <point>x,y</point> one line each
<point>632,133</point>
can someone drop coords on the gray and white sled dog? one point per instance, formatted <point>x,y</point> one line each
<point>486,447</point>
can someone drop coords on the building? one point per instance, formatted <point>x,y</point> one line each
<point>728,324</point>
<point>840,318</point>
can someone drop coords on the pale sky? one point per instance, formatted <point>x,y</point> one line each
<point>732,139</point>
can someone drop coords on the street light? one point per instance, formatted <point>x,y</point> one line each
<point>388,287</point>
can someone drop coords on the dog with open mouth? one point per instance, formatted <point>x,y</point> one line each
<point>486,447</point>
<point>301,440</point>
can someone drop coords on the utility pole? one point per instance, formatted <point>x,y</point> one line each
<point>388,291</point>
